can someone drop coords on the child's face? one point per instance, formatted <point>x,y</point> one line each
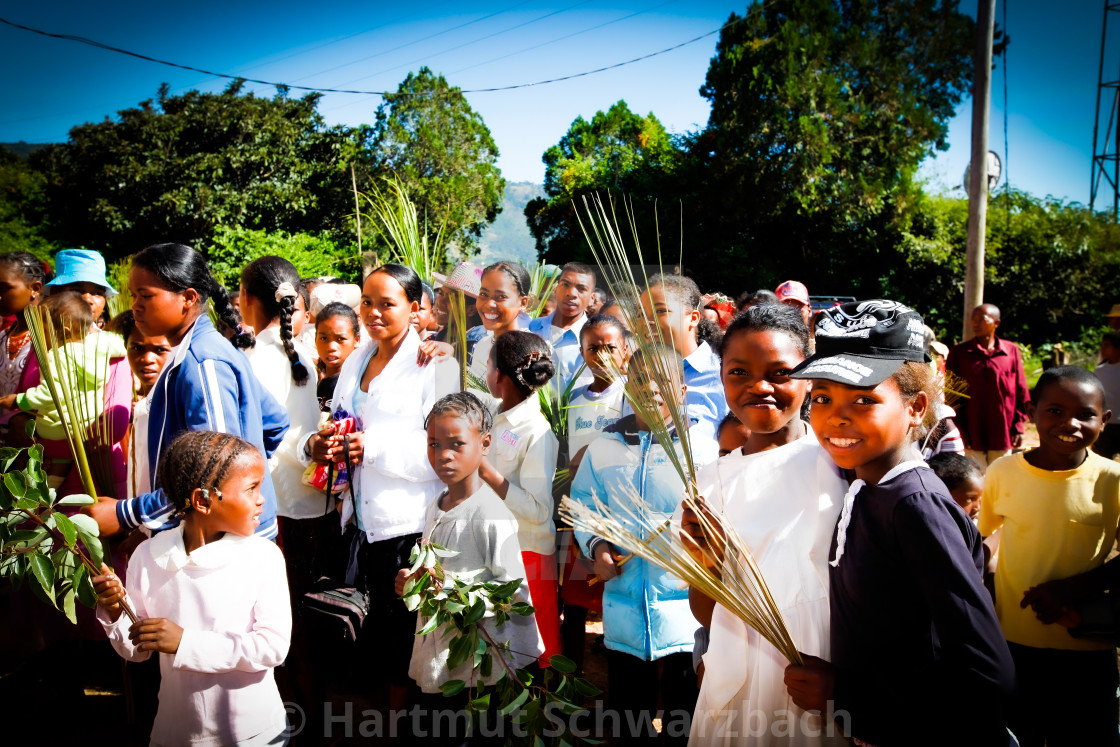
<point>239,510</point>
<point>91,293</point>
<point>642,386</point>
<point>157,309</point>
<point>667,314</point>
<point>146,357</point>
<point>865,429</point>
<point>1070,416</point>
<point>599,343</point>
<point>16,293</point>
<point>967,495</point>
<point>422,321</point>
<point>732,436</point>
<point>334,341</point>
<point>1109,352</point>
<point>442,309</point>
<point>755,371</point>
<point>386,310</point>
<point>499,303</point>
<point>455,447</point>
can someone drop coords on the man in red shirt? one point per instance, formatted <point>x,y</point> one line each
<point>991,420</point>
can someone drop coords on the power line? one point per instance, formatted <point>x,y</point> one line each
<point>107,47</point>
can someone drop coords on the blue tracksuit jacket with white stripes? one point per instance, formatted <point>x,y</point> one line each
<point>208,386</point>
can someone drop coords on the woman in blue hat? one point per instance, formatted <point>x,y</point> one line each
<point>83,271</point>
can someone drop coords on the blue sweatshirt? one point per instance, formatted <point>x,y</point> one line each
<point>208,386</point>
<point>919,655</point>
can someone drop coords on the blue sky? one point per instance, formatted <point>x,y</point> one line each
<point>51,85</point>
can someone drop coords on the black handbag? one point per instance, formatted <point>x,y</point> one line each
<point>333,611</point>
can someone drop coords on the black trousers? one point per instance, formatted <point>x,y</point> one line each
<point>1064,698</point>
<point>385,643</point>
<point>636,685</point>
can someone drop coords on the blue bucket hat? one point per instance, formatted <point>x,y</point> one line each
<point>81,266</point>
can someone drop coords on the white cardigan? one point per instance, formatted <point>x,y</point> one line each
<point>231,599</point>
<point>395,483</point>
<point>271,366</point>
<point>523,449</point>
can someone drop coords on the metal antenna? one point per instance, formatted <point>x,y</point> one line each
<point>1106,149</point>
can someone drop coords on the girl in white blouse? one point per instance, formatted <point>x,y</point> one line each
<point>389,393</point>
<point>521,465</point>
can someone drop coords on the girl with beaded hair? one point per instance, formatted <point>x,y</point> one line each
<point>270,288</point>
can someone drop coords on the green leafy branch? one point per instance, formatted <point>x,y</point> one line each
<point>38,540</point>
<point>459,607</point>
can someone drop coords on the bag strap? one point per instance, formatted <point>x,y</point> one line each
<point>349,467</point>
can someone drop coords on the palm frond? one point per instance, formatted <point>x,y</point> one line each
<point>398,221</point>
<point>543,280</point>
<point>457,335</point>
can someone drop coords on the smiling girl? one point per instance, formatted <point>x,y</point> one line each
<point>504,295</point>
<point>206,386</point>
<point>211,598</point>
<point>389,394</point>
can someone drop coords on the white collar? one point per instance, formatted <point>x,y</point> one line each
<point>703,358</point>
<point>850,500</point>
<point>169,551</point>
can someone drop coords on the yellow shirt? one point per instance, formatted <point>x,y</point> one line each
<point>1055,525</point>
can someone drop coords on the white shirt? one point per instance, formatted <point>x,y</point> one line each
<point>565,345</point>
<point>231,599</point>
<point>484,533</point>
<point>1109,375</point>
<point>524,450</point>
<point>139,481</point>
<point>590,412</point>
<point>271,366</point>
<point>784,504</point>
<point>395,483</point>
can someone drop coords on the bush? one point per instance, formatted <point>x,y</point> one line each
<point>233,248</point>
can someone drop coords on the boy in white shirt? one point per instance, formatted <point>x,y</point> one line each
<point>598,404</point>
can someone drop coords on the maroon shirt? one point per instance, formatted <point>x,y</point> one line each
<point>996,408</point>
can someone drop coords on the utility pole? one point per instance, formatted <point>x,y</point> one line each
<point>978,175</point>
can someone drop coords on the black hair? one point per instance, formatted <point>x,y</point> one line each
<point>603,320</point>
<point>261,278</point>
<point>305,294</point>
<point>199,459</point>
<point>1112,337</point>
<point>407,278</point>
<point>429,293</point>
<point>525,359</point>
<point>333,309</point>
<point>774,317</point>
<point>180,268</point>
<point>954,469</point>
<point>124,324</point>
<point>521,280</point>
<point>755,298</point>
<point>71,316</point>
<point>1076,374</point>
<point>659,349</point>
<point>687,293</point>
<point>579,268</point>
<point>29,267</point>
<point>465,405</point>
<point>728,419</point>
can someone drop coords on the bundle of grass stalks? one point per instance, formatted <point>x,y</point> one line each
<point>543,282</point>
<point>457,335</point>
<point>953,388</point>
<point>734,581</point>
<point>84,417</point>
<point>398,221</point>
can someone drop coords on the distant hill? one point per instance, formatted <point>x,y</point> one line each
<point>508,237</point>
<point>22,149</point>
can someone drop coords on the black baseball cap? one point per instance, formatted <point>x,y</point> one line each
<point>863,343</point>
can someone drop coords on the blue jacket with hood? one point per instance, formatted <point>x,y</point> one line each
<point>207,386</point>
<point>645,609</point>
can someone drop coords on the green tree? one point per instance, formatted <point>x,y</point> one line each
<point>24,224</point>
<point>427,135</point>
<point>617,151</point>
<point>231,249</point>
<point>177,168</point>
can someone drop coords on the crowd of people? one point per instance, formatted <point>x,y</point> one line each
<point>942,583</point>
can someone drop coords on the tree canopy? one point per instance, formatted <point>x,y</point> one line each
<point>427,135</point>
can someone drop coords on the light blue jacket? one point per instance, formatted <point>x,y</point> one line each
<point>645,609</point>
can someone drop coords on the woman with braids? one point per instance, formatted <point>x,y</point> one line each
<point>388,394</point>
<point>269,302</point>
<point>671,304</point>
<point>22,276</point>
<point>211,599</point>
<point>521,465</point>
<point>206,386</point>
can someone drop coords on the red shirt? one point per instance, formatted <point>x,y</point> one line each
<point>996,408</point>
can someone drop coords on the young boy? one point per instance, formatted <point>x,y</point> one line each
<point>1108,371</point>
<point>1059,509</point>
<point>597,405</point>
<point>963,477</point>
<point>731,434</point>
<point>912,627</point>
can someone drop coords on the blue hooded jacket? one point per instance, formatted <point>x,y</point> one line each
<point>208,386</point>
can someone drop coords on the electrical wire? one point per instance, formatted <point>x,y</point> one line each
<point>313,89</point>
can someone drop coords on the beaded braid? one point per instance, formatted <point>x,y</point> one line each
<point>198,459</point>
<point>275,283</point>
<point>30,267</point>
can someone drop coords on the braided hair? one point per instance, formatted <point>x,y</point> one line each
<point>274,282</point>
<point>29,267</point>
<point>524,358</point>
<point>466,406</point>
<point>181,267</point>
<point>521,280</point>
<point>199,459</point>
